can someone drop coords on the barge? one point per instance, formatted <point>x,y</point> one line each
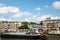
<point>23,36</point>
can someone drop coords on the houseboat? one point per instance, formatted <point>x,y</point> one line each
<point>33,33</point>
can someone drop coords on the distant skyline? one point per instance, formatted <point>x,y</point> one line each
<point>29,10</point>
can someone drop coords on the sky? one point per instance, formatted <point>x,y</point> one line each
<point>29,10</point>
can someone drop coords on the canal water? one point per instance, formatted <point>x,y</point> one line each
<point>16,39</point>
<point>10,39</point>
<point>49,38</point>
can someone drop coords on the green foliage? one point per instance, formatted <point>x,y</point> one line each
<point>33,23</point>
<point>25,24</point>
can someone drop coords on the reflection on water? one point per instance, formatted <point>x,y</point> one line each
<point>16,39</point>
<point>10,39</point>
<point>13,39</point>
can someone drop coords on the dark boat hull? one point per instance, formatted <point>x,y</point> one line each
<point>23,36</point>
<point>20,36</point>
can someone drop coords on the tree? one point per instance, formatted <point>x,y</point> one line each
<point>33,23</point>
<point>25,25</point>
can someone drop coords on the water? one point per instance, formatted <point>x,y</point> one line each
<point>11,39</point>
<point>16,39</point>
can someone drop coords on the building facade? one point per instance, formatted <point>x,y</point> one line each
<point>10,26</point>
<point>53,26</point>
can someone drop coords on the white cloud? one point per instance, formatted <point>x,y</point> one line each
<point>33,18</point>
<point>56,4</point>
<point>9,9</point>
<point>36,18</point>
<point>46,6</point>
<point>43,17</point>
<point>28,19</point>
<point>2,4</point>
<point>2,19</point>
<point>7,19</point>
<point>38,9</point>
<point>55,17</point>
<point>22,14</point>
<point>17,15</point>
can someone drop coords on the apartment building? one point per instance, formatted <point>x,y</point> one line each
<point>10,26</point>
<point>53,25</point>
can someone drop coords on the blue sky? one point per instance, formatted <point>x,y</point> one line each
<point>29,10</point>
